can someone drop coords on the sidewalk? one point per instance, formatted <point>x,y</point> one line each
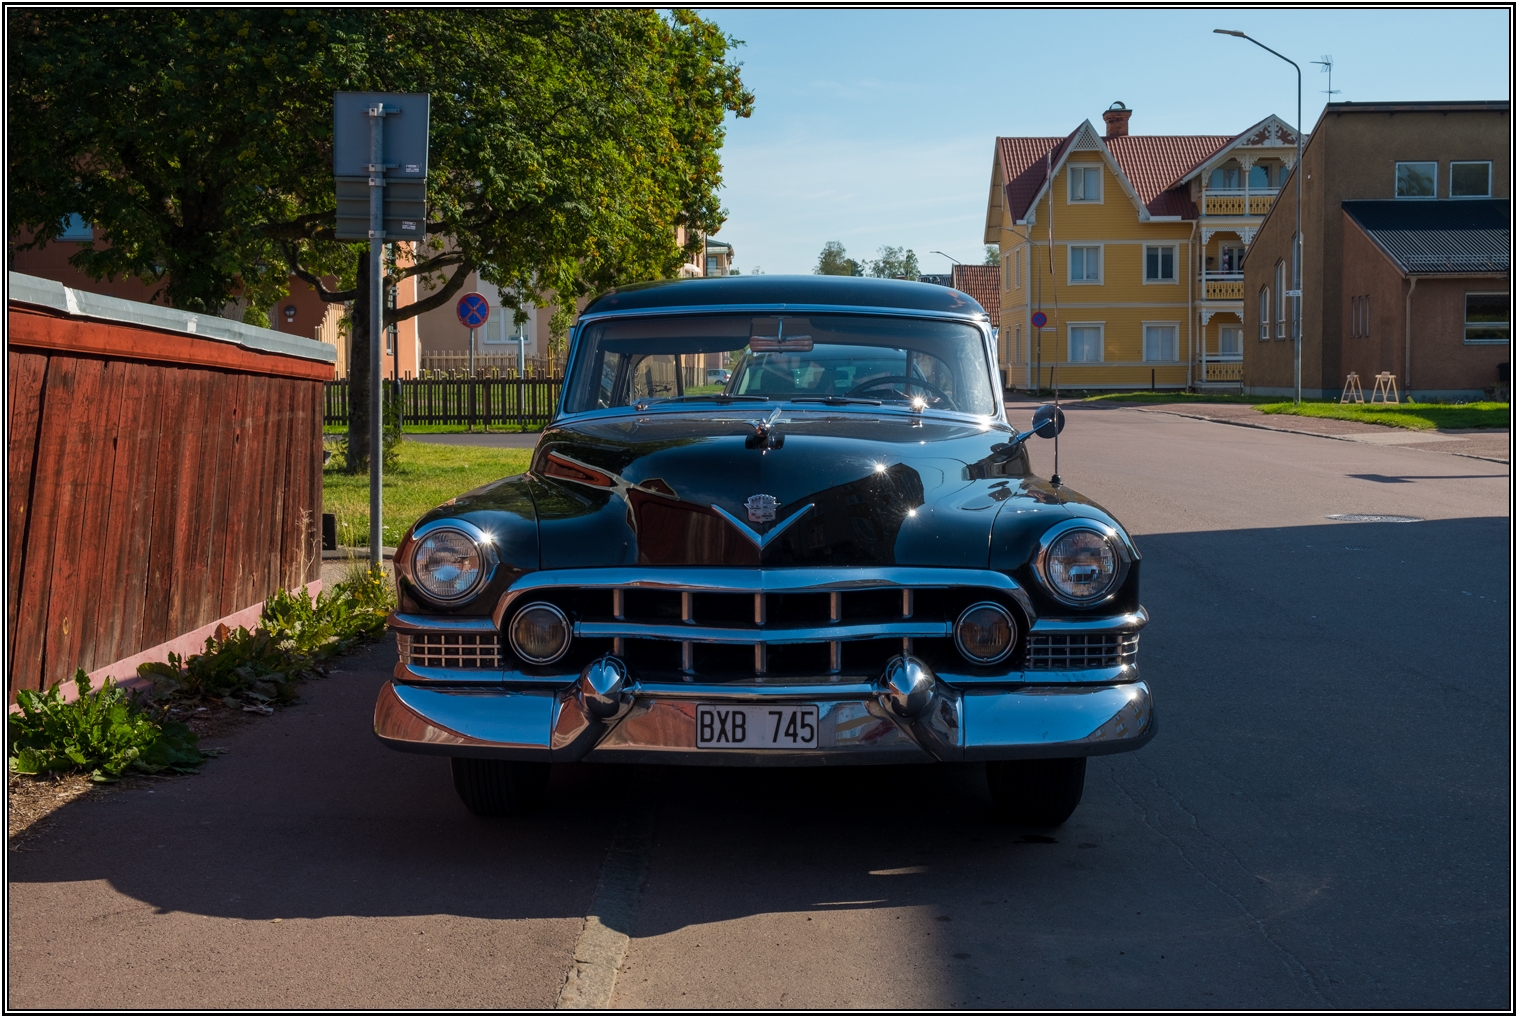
<point>1478,443</point>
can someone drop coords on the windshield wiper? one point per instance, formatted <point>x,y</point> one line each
<point>836,400</point>
<point>715,397</point>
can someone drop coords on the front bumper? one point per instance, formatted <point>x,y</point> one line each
<point>858,723</point>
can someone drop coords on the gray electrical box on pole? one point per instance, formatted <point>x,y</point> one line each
<point>379,160</point>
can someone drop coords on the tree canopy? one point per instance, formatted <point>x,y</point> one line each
<point>895,263</point>
<point>566,145</point>
<point>834,261</point>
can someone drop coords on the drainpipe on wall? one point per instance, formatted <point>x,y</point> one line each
<point>1191,310</point>
<point>1407,355</point>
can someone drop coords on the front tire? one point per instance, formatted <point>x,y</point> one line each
<point>1037,793</point>
<point>499,788</point>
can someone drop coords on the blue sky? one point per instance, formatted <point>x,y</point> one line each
<point>876,127</point>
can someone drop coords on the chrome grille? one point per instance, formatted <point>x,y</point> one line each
<point>1075,651</point>
<point>450,650</point>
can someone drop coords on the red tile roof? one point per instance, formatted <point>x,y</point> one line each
<point>983,282</point>
<point>1023,168</point>
<point>1152,163</point>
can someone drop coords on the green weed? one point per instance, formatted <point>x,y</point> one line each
<point>106,733</point>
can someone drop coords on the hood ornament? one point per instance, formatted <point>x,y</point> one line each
<point>761,508</point>
<point>765,437</point>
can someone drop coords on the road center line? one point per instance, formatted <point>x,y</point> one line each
<point>603,940</point>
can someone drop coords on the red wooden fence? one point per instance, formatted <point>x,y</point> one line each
<point>159,480</point>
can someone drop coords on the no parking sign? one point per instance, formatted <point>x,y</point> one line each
<point>474,310</point>
<point>1040,319</point>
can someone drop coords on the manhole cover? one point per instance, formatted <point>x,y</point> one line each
<point>1372,518</point>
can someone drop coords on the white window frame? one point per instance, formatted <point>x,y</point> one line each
<point>1236,328</point>
<point>1101,264</point>
<point>1265,313</point>
<point>1101,185</point>
<point>1466,322</point>
<point>1279,307</point>
<point>1144,328</point>
<point>1469,162</point>
<point>1397,170</point>
<point>1017,270</point>
<point>1175,265</point>
<point>1101,341</point>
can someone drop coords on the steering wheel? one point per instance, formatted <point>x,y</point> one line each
<point>891,380</point>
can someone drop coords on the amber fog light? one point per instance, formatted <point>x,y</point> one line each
<point>985,633</point>
<point>540,633</point>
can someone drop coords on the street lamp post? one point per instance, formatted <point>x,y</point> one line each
<point>1296,249</point>
<point>951,258</point>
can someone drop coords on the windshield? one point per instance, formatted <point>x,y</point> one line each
<point>823,358</point>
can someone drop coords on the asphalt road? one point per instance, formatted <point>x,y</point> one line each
<point>1322,821</point>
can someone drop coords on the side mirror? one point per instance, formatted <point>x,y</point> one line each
<point>1048,421</point>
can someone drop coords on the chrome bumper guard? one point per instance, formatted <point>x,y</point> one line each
<point>910,715</point>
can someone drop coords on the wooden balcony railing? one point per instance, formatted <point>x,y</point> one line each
<point>1235,203</point>
<point>1222,371</point>
<point>1229,287</point>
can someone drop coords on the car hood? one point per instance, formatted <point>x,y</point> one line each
<point>846,487</point>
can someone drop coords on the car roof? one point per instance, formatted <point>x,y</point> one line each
<point>803,291</point>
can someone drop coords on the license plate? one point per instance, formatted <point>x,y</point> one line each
<point>786,726</point>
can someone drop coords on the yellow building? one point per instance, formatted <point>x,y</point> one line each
<point>1131,247</point>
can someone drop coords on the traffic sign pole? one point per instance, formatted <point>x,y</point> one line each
<point>376,329</point>
<point>473,311</point>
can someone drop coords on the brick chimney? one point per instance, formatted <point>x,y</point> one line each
<point>1117,120</point>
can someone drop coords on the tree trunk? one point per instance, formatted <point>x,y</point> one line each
<point>358,372</point>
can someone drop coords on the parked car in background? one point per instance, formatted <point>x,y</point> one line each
<point>840,558</point>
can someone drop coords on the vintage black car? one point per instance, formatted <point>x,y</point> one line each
<point>838,555</point>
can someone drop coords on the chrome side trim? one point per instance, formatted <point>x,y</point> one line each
<point>410,623</point>
<point>743,309</point>
<point>681,632</point>
<point>721,580</point>
<point>1130,622</point>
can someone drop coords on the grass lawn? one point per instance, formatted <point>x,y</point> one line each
<point>1421,416</point>
<point>341,430</point>
<point>1145,396</point>
<point>428,475</point>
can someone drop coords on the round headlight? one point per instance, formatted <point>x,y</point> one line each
<point>447,564</point>
<point>985,633</point>
<point>1081,566</point>
<point>540,633</point>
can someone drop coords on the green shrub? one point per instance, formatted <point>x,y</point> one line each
<point>294,635</point>
<point>106,733</point>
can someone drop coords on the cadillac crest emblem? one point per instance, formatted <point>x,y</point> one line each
<point>761,508</point>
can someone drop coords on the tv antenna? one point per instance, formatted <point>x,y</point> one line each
<point>1328,66</point>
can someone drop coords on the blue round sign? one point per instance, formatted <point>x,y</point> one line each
<point>1040,319</point>
<point>474,310</point>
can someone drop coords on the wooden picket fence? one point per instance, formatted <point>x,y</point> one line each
<point>529,401</point>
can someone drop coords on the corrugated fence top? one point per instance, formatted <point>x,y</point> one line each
<point>50,293</point>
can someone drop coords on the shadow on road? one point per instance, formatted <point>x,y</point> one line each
<point>1322,821</point>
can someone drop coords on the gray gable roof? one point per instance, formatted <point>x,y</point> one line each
<point>1431,237</point>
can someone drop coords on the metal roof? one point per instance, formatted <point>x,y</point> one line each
<point>50,293</point>
<point>1432,237</point>
<point>838,291</point>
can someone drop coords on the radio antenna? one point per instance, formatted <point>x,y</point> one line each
<point>1328,66</point>
<point>1054,288</point>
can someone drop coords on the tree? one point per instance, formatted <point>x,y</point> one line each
<point>834,261</point>
<point>566,147</point>
<point>993,255</point>
<point>895,263</point>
